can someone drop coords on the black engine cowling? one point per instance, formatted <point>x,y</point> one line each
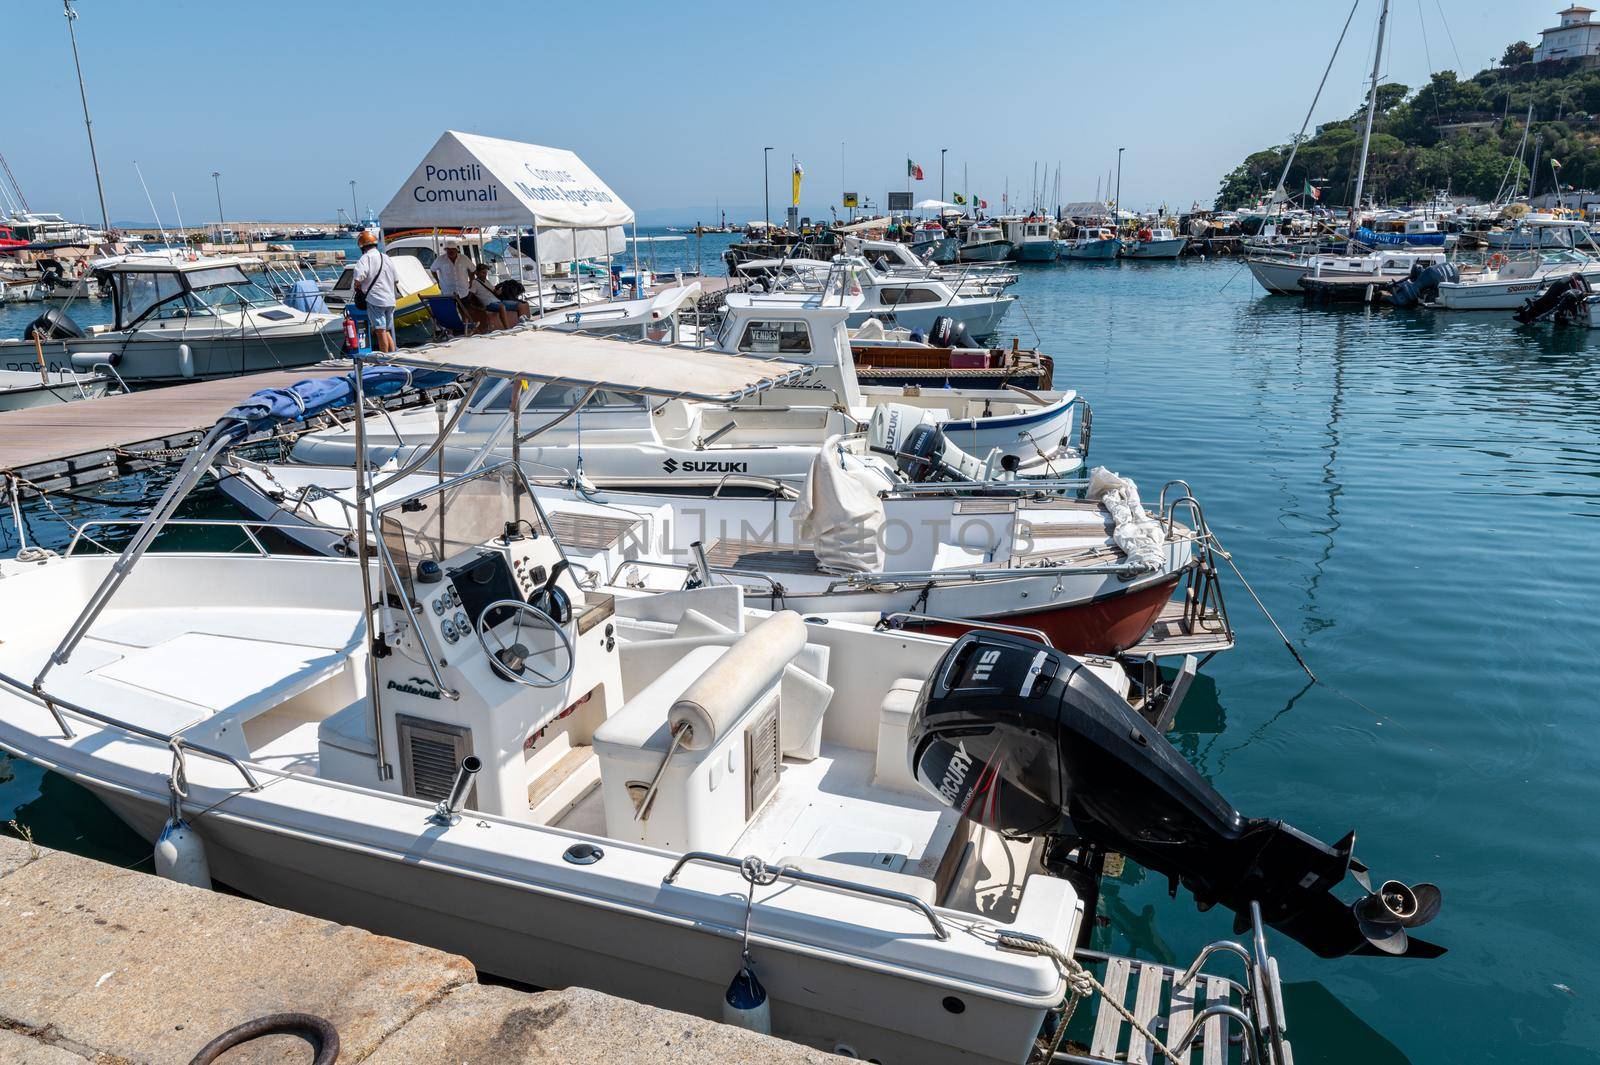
<point>1027,740</point>
<point>53,325</point>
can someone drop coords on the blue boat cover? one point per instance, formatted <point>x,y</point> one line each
<point>306,296</point>
<point>308,398</point>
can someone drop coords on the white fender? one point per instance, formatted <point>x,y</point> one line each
<point>180,855</point>
<point>185,360</point>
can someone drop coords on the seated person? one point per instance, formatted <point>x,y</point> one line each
<point>487,309</point>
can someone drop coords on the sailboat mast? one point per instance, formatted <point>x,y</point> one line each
<point>88,126</point>
<point>1372,109</point>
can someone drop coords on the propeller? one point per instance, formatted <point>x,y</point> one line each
<point>1384,915</point>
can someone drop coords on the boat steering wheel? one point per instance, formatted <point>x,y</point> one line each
<point>526,659</point>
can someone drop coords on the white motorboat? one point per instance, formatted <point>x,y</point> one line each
<point>1156,242</point>
<point>1092,243</point>
<point>618,440</point>
<point>1538,232</point>
<point>894,259</point>
<point>22,389</point>
<point>1282,275</point>
<point>180,319</point>
<point>983,242</point>
<point>880,843</point>
<point>1505,284</point>
<point>908,302</point>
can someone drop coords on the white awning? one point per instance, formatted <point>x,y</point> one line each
<point>862,226</point>
<point>936,205</point>
<point>638,369</point>
<point>470,181</point>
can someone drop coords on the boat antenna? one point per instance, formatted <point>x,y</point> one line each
<point>179,212</point>
<point>153,212</point>
<point>1372,109</point>
<point>88,126</point>
<point>1301,136</point>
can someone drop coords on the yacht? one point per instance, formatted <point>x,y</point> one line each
<point>881,843</point>
<point>179,318</point>
<point>1281,275</point>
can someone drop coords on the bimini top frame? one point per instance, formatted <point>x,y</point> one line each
<point>532,354</point>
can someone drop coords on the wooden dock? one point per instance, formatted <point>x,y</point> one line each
<point>48,448</point>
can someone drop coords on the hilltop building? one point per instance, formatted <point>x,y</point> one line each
<point>1577,37</point>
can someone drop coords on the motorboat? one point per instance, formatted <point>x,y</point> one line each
<point>878,842</point>
<point>1407,232</point>
<point>1505,284</point>
<point>1034,238</point>
<point>180,319</point>
<point>1092,243</point>
<point>1281,275</point>
<point>24,389</point>
<point>983,242</point>
<point>1154,242</point>
<point>620,441</point>
<point>894,259</point>
<point>909,302</point>
<point>1538,232</point>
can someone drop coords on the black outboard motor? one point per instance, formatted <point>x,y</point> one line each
<point>53,324</point>
<point>1423,284</point>
<point>1559,301</point>
<point>1024,739</point>
<point>942,331</point>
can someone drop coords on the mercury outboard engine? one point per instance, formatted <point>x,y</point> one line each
<point>1026,740</point>
<point>53,325</point>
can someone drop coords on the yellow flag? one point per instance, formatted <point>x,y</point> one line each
<point>799,172</point>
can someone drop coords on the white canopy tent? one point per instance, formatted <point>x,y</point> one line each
<point>473,182</point>
<point>937,205</point>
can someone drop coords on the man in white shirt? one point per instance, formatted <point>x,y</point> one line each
<point>377,285</point>
<point>453,273</point>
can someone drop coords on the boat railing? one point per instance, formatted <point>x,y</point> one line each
<point>789,872</point>
<point>59,709</point>
<point>248,528</point>
<point>896,621</point>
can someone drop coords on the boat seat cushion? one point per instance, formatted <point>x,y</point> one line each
<point>724,693</point>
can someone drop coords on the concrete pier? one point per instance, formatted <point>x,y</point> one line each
<point>107,965</point>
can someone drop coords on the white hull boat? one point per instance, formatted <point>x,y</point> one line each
<point>1511,285</point>
<point>24,389</point>
<point>459,743</point>
<point>1281,276</point>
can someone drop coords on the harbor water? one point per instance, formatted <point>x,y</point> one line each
<point>1414,496</point>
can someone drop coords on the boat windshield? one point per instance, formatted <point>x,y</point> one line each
<point>440,523</point>
<point>225,288</point>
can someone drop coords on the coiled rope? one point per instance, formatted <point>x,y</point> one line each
<point>1081,983</point>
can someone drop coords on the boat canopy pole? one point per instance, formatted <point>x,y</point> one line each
<point>1294,150</point>
<point>417,461</point>
<point>368,614</point>
<point>1372,108</point>
<point>194,467</point>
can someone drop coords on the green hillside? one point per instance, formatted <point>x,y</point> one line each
<point>1454,134</point>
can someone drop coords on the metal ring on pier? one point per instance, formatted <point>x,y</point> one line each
<point>318,1031</point>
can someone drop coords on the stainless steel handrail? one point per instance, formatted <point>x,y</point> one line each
<point>243,526</point>
<point>1198,514</point>
<point>1221,1010</point>
<point>1019,486</point>
<point>56,705</point>
<point>887,622</point>
<point>791,873</point>
<point>1010,573</point>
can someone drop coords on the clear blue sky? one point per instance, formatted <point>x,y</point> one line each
<point>671,103</point>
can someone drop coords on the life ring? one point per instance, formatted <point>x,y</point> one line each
<point>1496,261</point>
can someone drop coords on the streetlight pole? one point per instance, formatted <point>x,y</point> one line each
<point>216,179</point>
<point>766,194</point>
<point>1116,203</point>
<point>941,173</point>
<point>88,126</point>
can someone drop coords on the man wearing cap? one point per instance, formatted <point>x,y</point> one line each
<point>453,273</point>
<point>377,287</point>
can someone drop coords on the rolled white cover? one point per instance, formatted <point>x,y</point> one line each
<point>720,696</point>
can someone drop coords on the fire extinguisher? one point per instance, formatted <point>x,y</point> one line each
<point>352,338</point>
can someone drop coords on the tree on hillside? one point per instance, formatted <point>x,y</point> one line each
<point>1517,54</point>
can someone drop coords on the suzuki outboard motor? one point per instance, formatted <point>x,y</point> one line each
<point>1026,740</point>
<point>53,325</point>
<point>921,450</point>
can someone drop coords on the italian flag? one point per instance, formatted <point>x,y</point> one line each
<point>1312,191</point>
